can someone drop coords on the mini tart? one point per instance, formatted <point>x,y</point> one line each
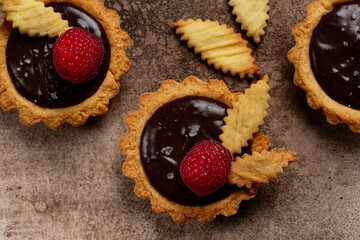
<point>304,76</point>
<point>171,91</point>
<point>97,103</point>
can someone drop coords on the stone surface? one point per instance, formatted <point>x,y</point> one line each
<point>68,183</point>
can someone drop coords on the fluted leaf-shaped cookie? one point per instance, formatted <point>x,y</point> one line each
<point>33,18</point>
<point>245,117</point>
<point>259,167</point>
<point>219,45</point>
<point>252,15</point>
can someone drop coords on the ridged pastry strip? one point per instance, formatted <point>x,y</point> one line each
<point>245,117</point>
<point>33,18</point>
<point>219,45</point>
<point>259,167</point>
<point>252,15</point>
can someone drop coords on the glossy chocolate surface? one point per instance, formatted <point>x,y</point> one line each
<point>169,134</point>
<point>335,54</point>
<point>29,61</point>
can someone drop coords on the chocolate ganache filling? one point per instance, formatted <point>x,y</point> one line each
<point>29,62</point>
<point>335,54</point>
<point>169,135</point>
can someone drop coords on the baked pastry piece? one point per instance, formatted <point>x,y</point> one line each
<point>219,45</point>
<point>34,18</point>
<point>28,81</point>
<point>252,15</point>
<point>326,60</point>
<point>169,123</point>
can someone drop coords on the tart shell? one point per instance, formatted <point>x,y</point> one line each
<point>130,145</point>
<point>304,78</point>
<point>97,104</point>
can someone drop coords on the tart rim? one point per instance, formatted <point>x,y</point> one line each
<point>130,146</point>
<point>304,78</point>
<point>97,104</point>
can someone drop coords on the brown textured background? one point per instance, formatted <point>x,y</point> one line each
<point>68,183</point>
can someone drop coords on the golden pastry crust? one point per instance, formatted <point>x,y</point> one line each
<point>246,116</point>
<point>299,55</point>
<point>219,45</point>
<point>35,19</point>
<point>30,113</point>
<point>259,167</point>
<point>252,15</point>
<point>130,145</point>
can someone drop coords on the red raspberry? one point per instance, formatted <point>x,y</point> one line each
<point>206,167</point>
<point>77,55</point>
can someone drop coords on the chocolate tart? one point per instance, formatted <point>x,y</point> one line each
<point>326,59</point>
<point>29,83</point>
<point>167,125</point>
